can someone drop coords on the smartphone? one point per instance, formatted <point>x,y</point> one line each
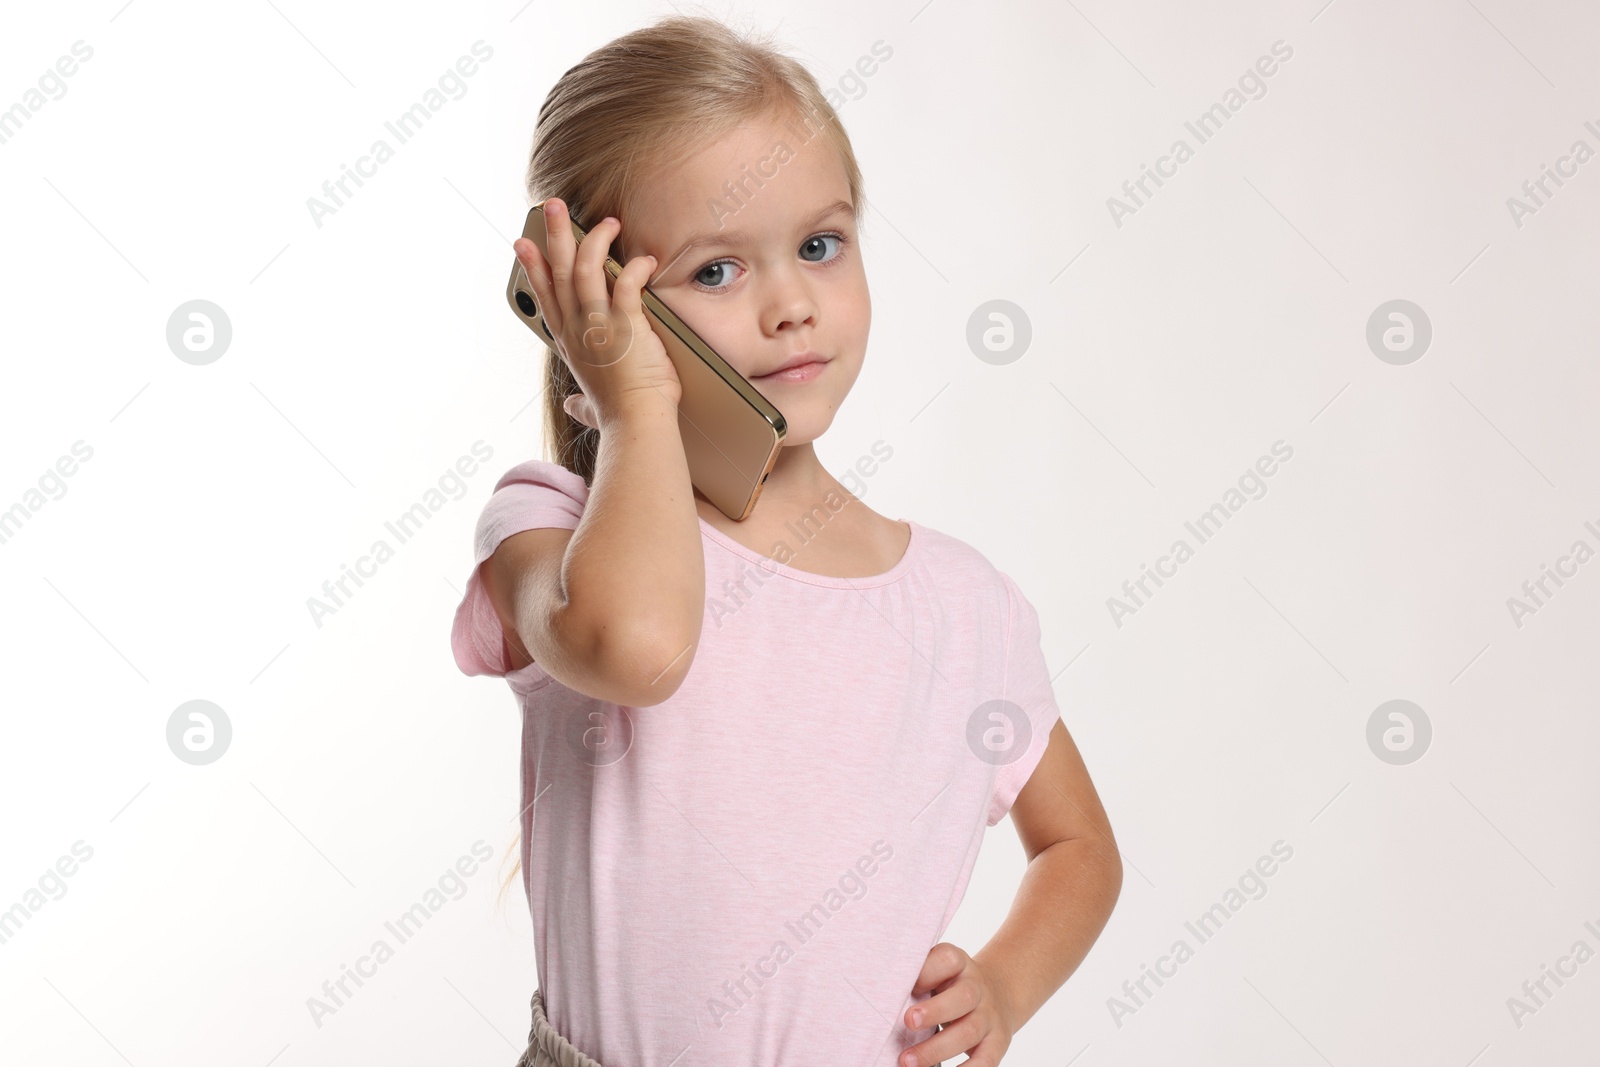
<point>731,433</point>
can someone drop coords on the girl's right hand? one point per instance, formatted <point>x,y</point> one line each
<point>606,340</point>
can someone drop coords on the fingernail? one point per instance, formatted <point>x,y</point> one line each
<point>916,1018</point>
<point>549,207</point>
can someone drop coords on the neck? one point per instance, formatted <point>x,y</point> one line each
<point>797,483</point>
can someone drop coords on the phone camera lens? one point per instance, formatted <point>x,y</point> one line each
<point>525,302</point>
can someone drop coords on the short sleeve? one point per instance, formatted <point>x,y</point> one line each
<point>1027,685</point>
<point>531,496</point>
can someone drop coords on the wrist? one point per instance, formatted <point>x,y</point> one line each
<point>644,406</point>
<point>1002,990</point>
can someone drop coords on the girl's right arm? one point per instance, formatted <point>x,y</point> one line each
<point>614,607</point>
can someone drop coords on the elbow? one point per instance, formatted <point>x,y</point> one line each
<point>648,663</point>
<point>1111,876</point>
<point>664,670</point>
<point>626,658</point>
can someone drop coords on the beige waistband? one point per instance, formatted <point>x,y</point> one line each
<point>546,1047</point>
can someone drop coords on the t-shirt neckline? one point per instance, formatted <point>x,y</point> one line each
<point>772,566</point>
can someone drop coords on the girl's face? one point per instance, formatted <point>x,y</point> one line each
<point>757,252</point>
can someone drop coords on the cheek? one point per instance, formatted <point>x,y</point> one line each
<point>852,307</point>
<point>727,339</point>
<point>852,292</point>
<point>717,330</point>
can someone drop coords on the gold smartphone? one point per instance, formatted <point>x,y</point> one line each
<point>731,433</point>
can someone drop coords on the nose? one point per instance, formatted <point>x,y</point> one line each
<point>789,302</point>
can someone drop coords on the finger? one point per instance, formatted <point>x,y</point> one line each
<point>989,1052</point>
<point>626,312</point>
<point>612,327</point>
<point>944,961</point>
<point>961,1037</point>
<point>591,414</point>
<point>562,247</point>
<point>577,406</point>
<point>945,1006</point>
<point>590,269</point>
<point>570,406</point>
<point>634,277</point>
<point>538,272</point>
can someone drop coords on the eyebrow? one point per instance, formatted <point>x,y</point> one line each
<point>731,237</point>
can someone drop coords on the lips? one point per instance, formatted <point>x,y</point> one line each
<point>794,361</point>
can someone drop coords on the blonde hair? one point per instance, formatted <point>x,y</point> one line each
<point>640,104</point>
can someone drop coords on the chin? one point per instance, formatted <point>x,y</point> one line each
<point>806,425</point>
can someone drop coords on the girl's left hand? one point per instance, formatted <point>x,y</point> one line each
<point>969,1004</point>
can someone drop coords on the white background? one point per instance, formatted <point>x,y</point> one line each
<point>1167,354</point>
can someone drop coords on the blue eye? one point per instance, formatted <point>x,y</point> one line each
<point>700,275</point>
<point>815,238</point>
<point>812,244</point>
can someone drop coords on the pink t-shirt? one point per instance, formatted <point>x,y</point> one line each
<point>751,873</point>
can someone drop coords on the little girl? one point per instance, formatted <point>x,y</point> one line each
<point>759,757</point>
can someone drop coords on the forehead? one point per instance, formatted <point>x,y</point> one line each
<point>764,175</point>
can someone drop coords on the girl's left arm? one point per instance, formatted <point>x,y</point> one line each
<point>1072,882</point>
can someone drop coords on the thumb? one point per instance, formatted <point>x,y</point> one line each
<point>577,405</point>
